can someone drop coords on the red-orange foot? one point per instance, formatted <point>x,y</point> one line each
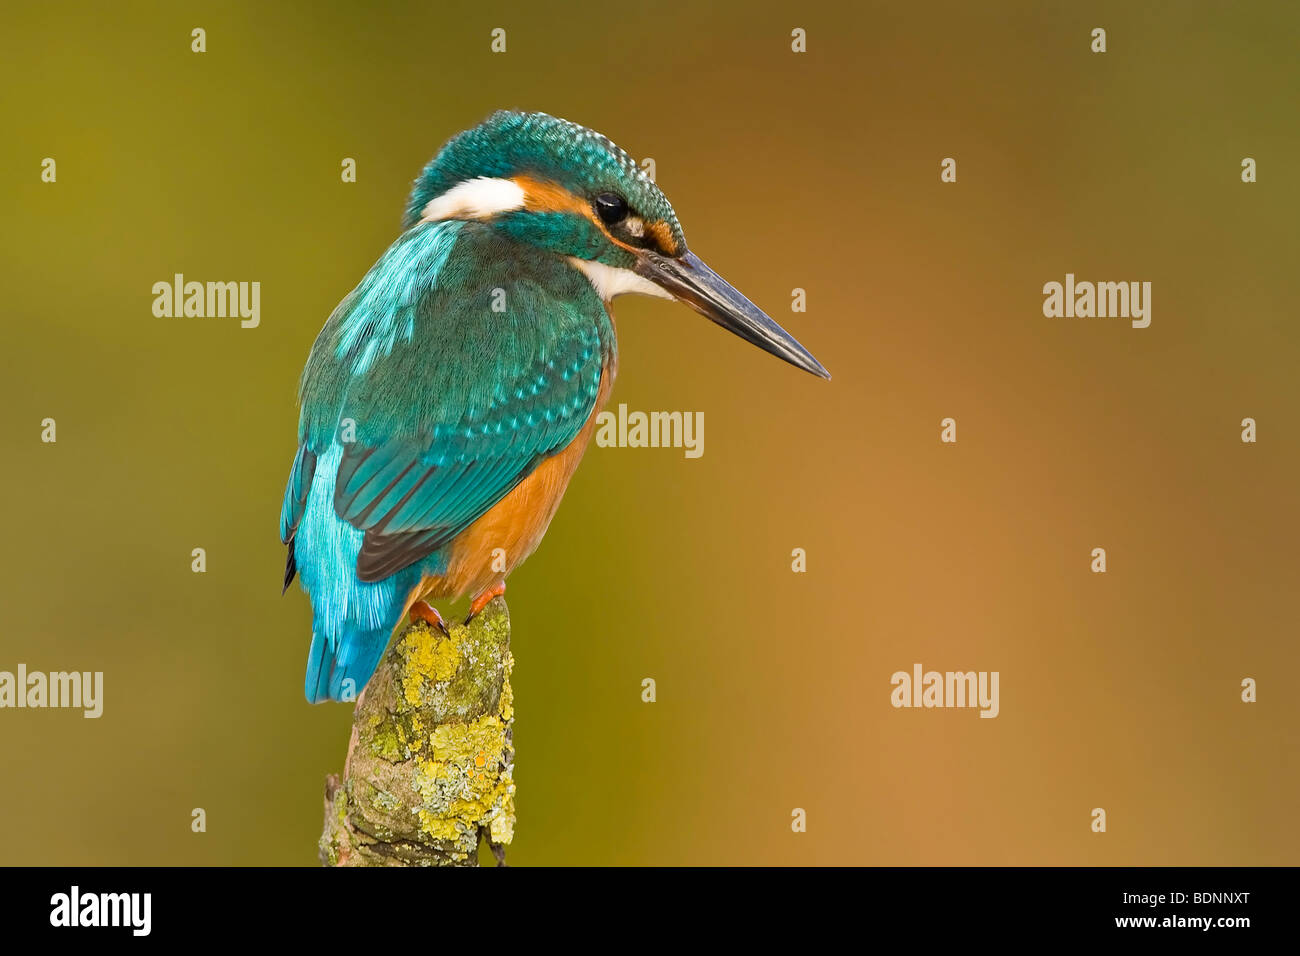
<point>423,611</point>
<point>483,599</point>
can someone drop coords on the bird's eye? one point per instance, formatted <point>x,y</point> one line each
<point>611,207</point>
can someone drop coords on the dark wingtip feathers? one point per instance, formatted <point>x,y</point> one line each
<point>290,568</point>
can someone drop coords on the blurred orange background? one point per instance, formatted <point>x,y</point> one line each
<point>817,171</point>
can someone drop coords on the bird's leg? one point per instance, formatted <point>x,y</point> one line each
<point>482,600</point>
<point>426,612</point>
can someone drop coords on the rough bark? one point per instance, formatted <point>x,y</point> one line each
<point>430,768</point>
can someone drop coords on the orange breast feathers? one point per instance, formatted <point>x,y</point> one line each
<point>515,524</point>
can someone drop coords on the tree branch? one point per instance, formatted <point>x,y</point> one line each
<point>430,767</point>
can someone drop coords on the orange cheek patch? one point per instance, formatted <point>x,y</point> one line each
<point>547,196</point>
<point>663,237</point>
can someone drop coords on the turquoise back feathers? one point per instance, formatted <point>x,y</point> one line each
<point>424,315</point>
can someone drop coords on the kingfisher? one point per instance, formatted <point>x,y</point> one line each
<point>449,397</point>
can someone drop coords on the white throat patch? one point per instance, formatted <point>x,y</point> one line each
<point>475,199</point>
<point>609,281</point>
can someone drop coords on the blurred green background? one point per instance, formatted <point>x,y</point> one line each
<point>818,171</point>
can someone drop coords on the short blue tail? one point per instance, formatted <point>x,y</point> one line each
<point>341,673</point>
<point>352,620</point>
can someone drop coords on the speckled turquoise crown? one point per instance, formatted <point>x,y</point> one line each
<point>509,143</point>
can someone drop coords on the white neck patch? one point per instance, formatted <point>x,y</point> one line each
<point>475,199</point>
<point>609,281</point>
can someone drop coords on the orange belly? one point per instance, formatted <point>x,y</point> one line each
<point>483,554</point>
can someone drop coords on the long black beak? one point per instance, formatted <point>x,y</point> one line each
<point>691,281</point>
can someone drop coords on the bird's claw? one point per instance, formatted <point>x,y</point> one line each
<point>484,599</point>
<point>426,612</point>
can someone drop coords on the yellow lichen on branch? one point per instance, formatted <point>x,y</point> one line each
<point>430,767</point>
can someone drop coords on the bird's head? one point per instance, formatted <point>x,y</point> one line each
<point>562,187</point>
